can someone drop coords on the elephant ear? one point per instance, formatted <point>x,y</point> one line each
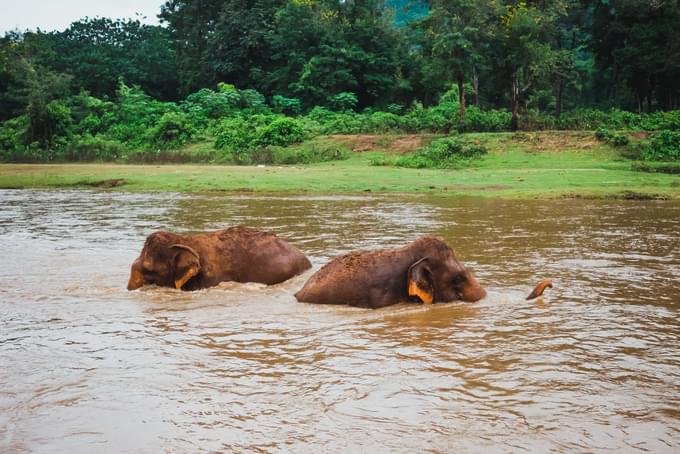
<point>420,282</point>
<point>187,264</point>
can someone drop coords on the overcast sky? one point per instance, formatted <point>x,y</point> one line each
<point>51,15</point>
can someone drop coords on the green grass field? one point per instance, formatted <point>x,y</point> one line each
<point>524,165</point>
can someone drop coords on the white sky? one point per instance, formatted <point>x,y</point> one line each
<point>51,15</point>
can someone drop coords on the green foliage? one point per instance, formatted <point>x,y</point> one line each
<point>281,131</point>
<point>12,133</point>
<point>288,106</point>
<point>47,122</point>
<point>236,137</point>
<point>664,146</point>
<point>308,154</point>
<point>213,104</point>
<point>443,153</point>
<point>93,148</point>
<point>477,120</point>
<point>344,101</point>
<point>603,134</point>
<point>172,130</point>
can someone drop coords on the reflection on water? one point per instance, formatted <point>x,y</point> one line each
<point>88,366</point>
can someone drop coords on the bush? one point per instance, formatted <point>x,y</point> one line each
<point>92,148</point>
<point>282,131</point>
<point>172,130</point>
<point>213,104</point>
<point>287,106</point>
<point>664,146</point>
<point>236,137</point>
<point>47,122</point>
<point>618,140</point>
<point>443,153</point>
<point>303,155</point>
<point>381,122</point>
<point>12,133</point>
<point>344,101</point>
<point>477,120</point>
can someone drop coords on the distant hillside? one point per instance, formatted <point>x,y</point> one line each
<point>407,10</point>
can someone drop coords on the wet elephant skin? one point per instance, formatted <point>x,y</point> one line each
<point>426,270</point>
<point>191,262</point>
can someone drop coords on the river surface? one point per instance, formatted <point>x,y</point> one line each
<point>86,366</point>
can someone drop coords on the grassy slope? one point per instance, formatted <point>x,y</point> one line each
<point>518,166</point>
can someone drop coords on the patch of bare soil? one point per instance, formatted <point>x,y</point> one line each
<point>400,144</point>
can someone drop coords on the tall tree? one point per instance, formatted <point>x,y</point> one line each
<point>638,43</point>
<point>221,40</point>
<point>98,52</point>
<point>456,31</point>
<point>524,55</point>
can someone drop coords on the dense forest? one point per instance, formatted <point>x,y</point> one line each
<point>218,66</point>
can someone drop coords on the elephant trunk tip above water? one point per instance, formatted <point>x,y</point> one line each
<point>191,262</point>
<point>426,270</point>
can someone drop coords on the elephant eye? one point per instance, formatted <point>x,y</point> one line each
<point>458,280</point>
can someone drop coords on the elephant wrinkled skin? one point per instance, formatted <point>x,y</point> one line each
<point>191,262</point>
<point>426,269</point>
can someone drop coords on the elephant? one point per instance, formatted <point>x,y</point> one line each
<point>192,262</point>
<point>426,270</point>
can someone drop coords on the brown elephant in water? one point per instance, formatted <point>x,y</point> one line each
<point>426,269</point>
<point>191,262</point>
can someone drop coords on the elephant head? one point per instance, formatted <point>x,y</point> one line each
<point>440,276</point>
<point>164,261</point>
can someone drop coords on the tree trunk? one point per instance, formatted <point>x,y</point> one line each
<point>461,98</point>
<point>558,98</point>
<point>514,105</point>
<point>475,84</point>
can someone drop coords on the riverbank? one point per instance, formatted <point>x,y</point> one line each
<point>525,165</point>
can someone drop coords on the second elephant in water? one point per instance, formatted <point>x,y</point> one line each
<point>191,262</point>
<point>426,269</point>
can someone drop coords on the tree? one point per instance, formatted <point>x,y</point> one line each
<point>323,48</point>
<point>221,40</point>
<point>98,52</point>
<point>524,55</point>
<point>455,29</point>
<point>638,43</point>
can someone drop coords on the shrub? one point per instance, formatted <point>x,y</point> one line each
<point>603,134</point>
<point>47,122</point>
<point>477,120</point>
<point>237,137</point>
<point>281,131</point>
<point>532,120</point>
<point>298,155</point>
<point>91,148</point>
<point>12,133</point>
<point>288,106</point>
<point>619,140</point>
<point>344,101</point>
<point>381,122</point>
<point>664,146</point>
<point>213,104</point>
<point>172,130</point>
<point>443,153</point>
<point>252,101</point>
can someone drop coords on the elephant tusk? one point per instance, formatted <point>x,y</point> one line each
<point>540,288</point>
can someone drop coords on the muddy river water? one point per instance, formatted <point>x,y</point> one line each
<point>86,366</point>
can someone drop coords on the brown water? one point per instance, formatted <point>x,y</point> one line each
<point>86,366</point>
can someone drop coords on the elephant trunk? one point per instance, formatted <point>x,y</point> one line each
<point>540,288</point>
<point>136,277</point>
<point>473,291</point>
